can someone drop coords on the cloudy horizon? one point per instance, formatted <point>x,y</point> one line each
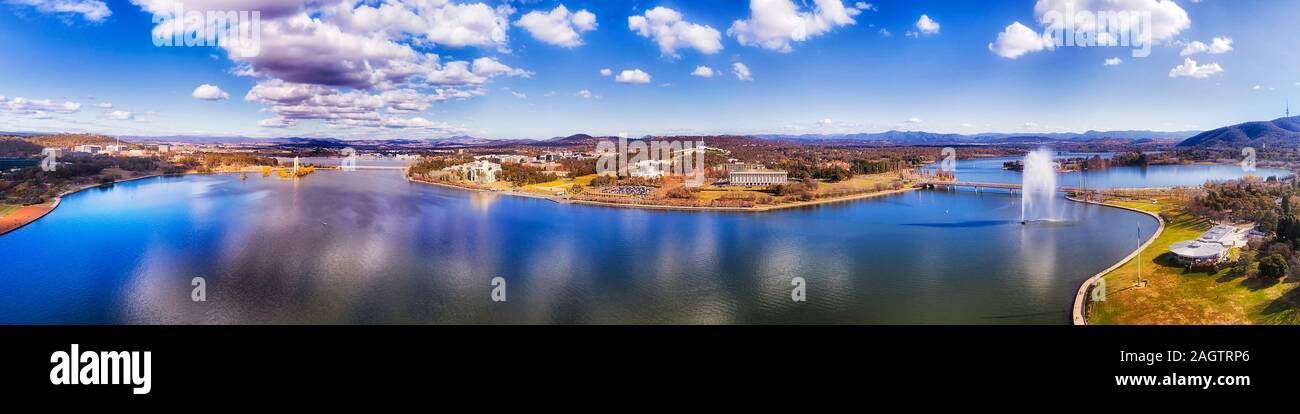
<point>418,69</point>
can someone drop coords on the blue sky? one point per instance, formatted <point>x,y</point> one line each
<point>489,69</point>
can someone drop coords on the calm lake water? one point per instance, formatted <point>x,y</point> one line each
<point>369,247</point>
<point>989,170</point>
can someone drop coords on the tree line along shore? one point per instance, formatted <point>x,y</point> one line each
<point>1256,283</point>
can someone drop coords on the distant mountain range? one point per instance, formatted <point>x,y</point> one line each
<point>197,139</point>
<point>1281,132</point>
<point>919,137</point>
<point>875,138</point>
<point>452,142</point>
<point>468,141</point>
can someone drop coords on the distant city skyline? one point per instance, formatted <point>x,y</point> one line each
<point>417,69</point>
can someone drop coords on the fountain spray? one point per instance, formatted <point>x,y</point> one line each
<point>1039,179</point>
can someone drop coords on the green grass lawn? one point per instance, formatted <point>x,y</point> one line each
<point>5,209</point>
<point>584,180</point>
<point>558,185</point>
<point>1176,296</point>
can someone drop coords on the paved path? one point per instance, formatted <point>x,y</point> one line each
<point>1081,298</point>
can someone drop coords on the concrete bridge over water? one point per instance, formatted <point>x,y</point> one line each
<point>367,167</point>
<point>1014,188</point>
<point>1002,186</point>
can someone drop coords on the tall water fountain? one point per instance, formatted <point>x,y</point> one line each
<point>1039,179</point>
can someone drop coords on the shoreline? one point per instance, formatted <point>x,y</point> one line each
<point>1079,305</point>
<point>1079,312</point>
<point>562,200</point>
<point>58,199</point>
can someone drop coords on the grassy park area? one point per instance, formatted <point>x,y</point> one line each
<point>674,191</point>
<point>5,209</point>
<point>861,182</point>
<point>1174,295</point>
<point>559,185</point>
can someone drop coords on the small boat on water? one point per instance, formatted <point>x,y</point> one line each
<point>243,176</point>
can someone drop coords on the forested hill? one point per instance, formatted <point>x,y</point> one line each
<point>71,140</point>
<point>1281,132</point>
<point>17,147</point>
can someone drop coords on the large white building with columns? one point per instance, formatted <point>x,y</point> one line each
<point>758,178</point>
<point>480,171</point>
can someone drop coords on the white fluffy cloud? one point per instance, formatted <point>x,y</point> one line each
<point>440,22</point>
<point>269,8</point>
<point>121,116</point>
<point>558,27</point>
<point>277,123</point>
<point>927,25</point>
<point>774,24</point>
<point>300,102</point>
<point>104,105</point>
<point>414,122</point>
<point>90,10</point>
<point>1113,61</point>
<point>352,63</point>
<point>208,92</point>
<point>606,72</point>
<point>38,107</point>
<point>486,68</point>
<point>703,72</point>
<point>584,20</point>
<point>406,100</point>
<point>741,71</point>
<point>667,28</point>
<point>635,76</point>
<point>276,90</point>
<point>1167,20</point>
<point>1190,69</point>
<point>310,50</point>
<point>1018,39</point>
<point>585,94</point>
<point>1217,46</point>
<point>293,102</point>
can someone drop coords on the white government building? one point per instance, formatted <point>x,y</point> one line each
<point>478,171</point>
<point>758,178</point>
<point>89,149</point>
<point>650,168</point>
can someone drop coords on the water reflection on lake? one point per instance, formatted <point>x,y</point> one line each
<point>989,170</point>
<point>369,247</point>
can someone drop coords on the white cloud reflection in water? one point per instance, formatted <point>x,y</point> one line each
<point>368,247</point>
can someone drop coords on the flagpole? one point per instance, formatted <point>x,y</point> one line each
<point>1139,256</point>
